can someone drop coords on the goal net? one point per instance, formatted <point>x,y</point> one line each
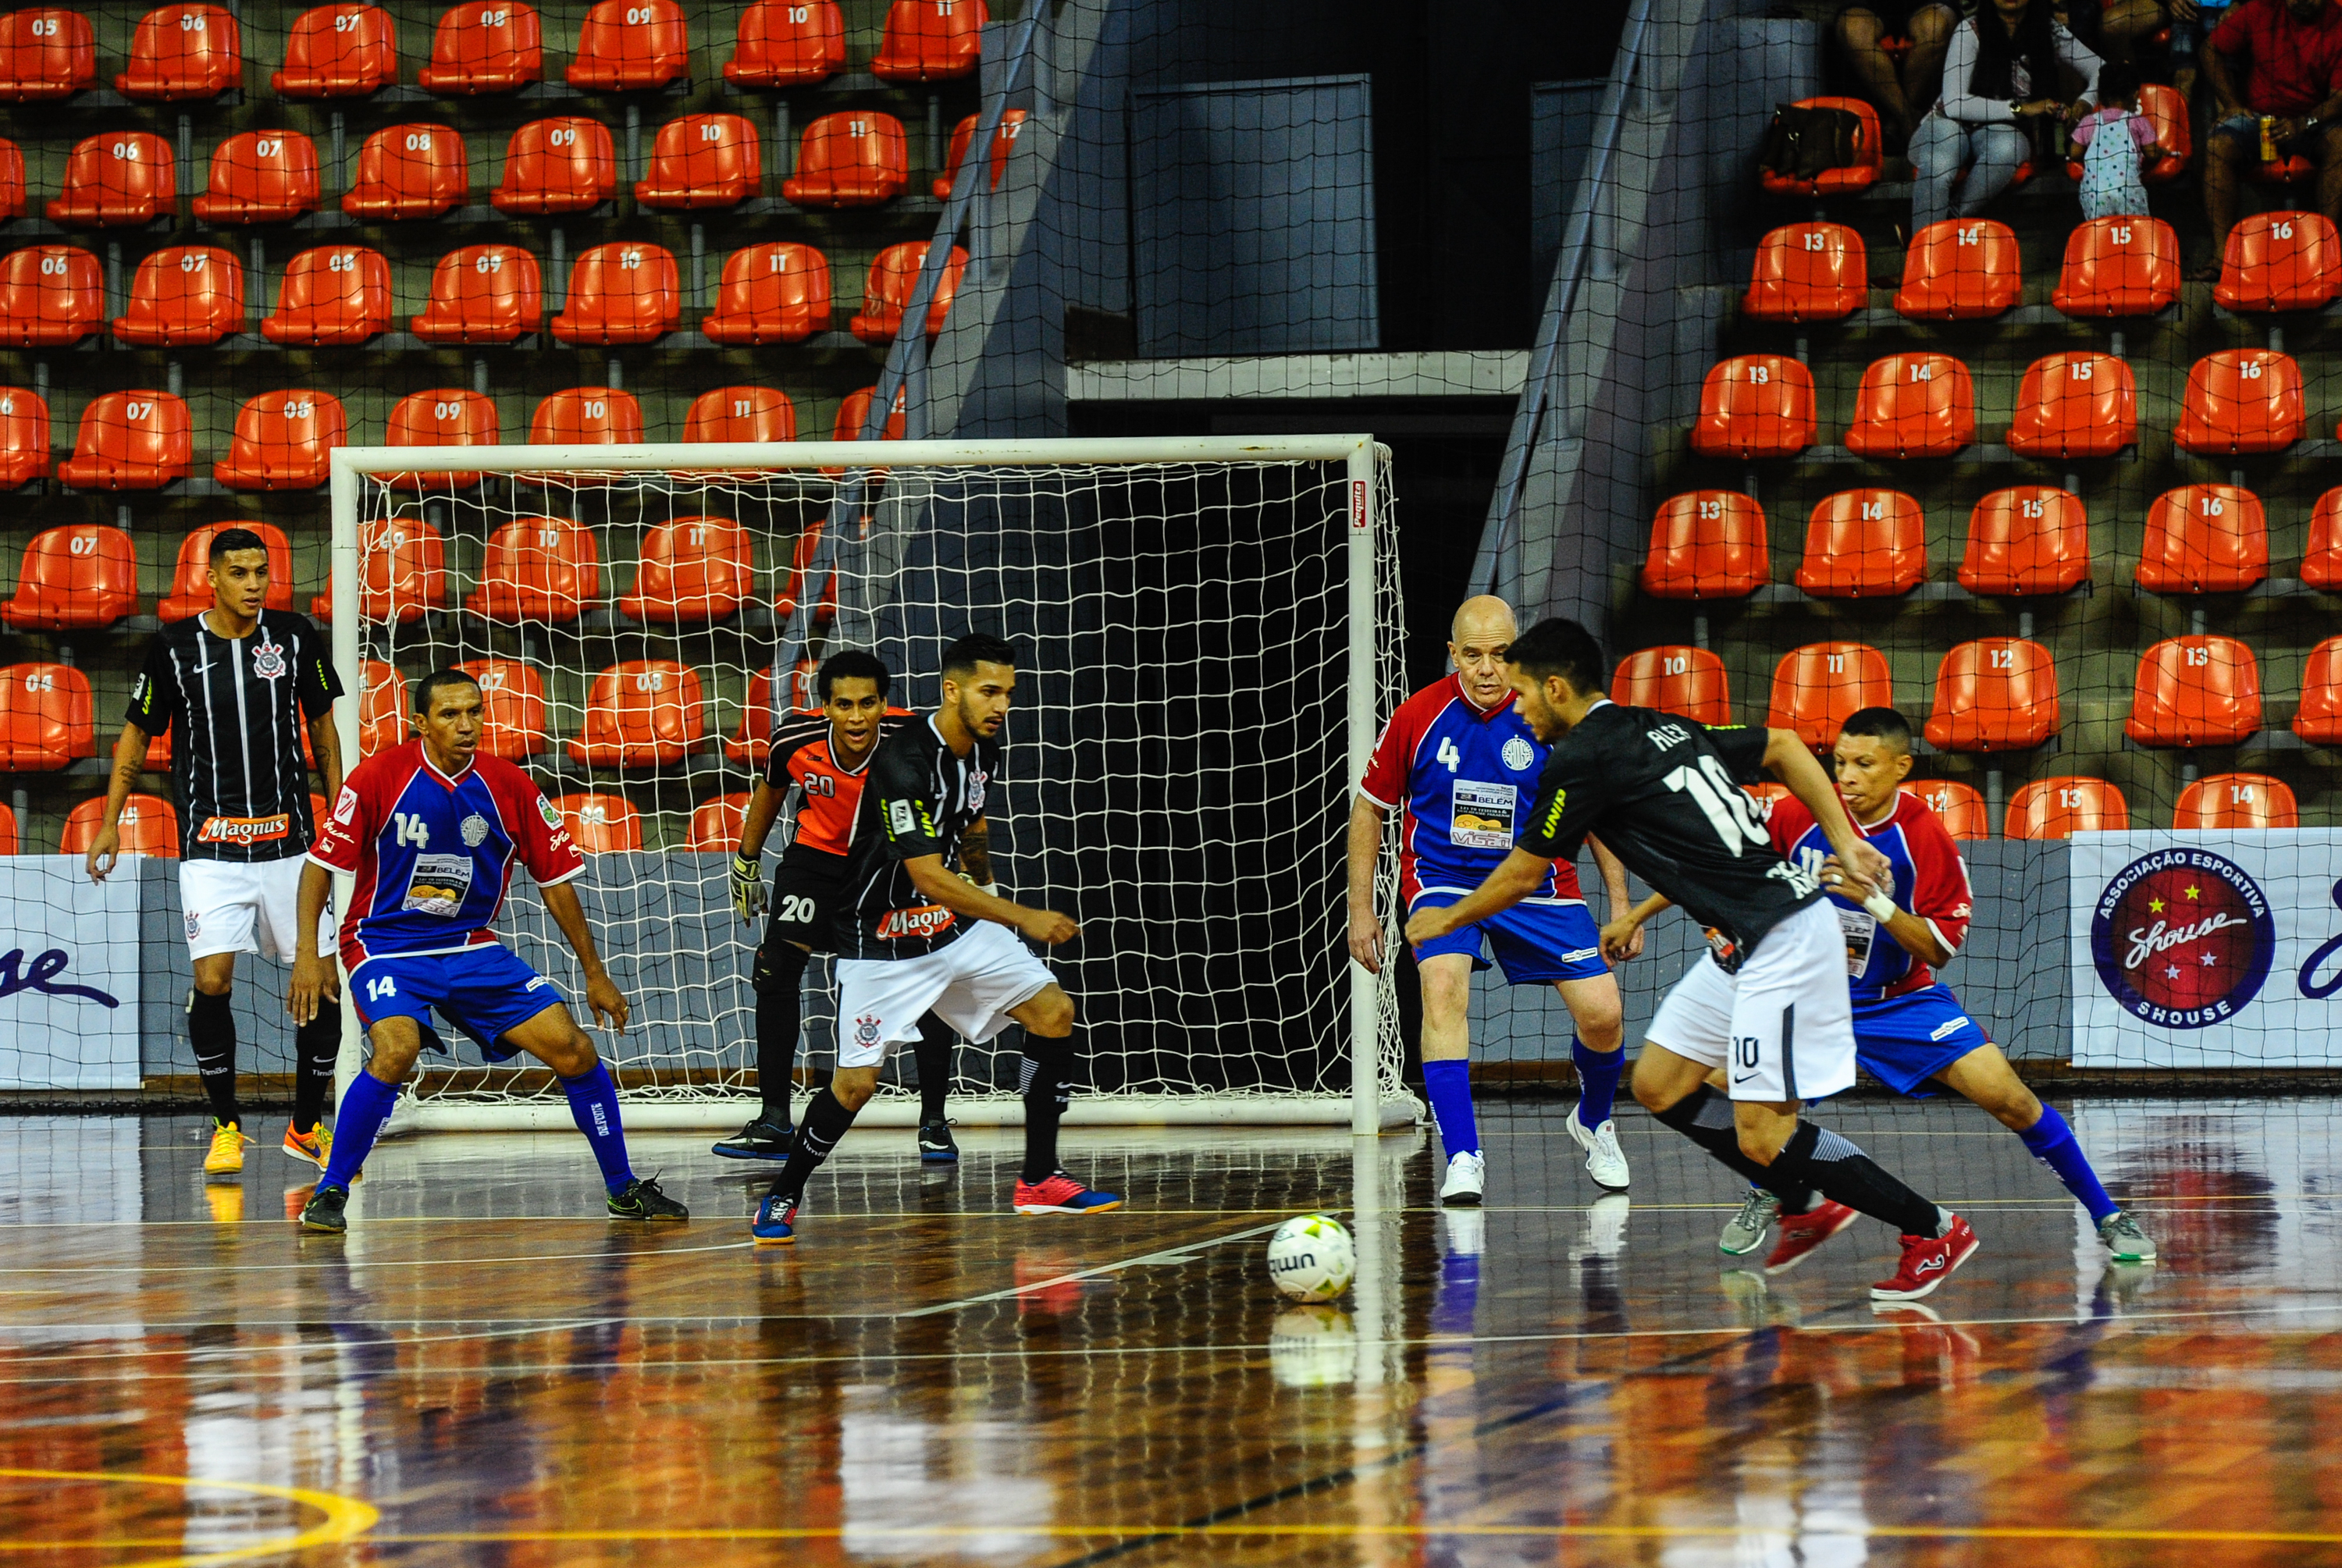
<point>1205,651</point>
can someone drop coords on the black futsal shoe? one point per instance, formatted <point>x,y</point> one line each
<point>762,1139</point>
<point>324,1210</point>
<point>641,1199</point>
<point>936,1146</point>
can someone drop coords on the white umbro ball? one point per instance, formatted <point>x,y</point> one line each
<point>1310,1258</point>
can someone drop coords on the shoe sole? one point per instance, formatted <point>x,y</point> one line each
<point>1732,1252</point>
<point>1064,1209</point>
<point>307,1228</point>
<point>652,1219</point>
<point>301,1154</point>
<point>737,1154</point>
<point>1585,1141</point>
<point>939,1157</point>
<point>1844,1220</point>
<point>1929,1288</point>
<point>774,1241</point>
<point>212,1169</point>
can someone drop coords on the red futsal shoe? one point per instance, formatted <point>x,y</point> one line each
<point>1801,1233</point>
<point>1927,1262</point>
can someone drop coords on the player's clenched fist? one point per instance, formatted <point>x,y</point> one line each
<point>1047,927</point>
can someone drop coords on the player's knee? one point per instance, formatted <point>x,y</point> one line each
<point>394,1055</point>
<point>853,1089</point>
<point>1651,1090</point>
<point>1049,1015</point>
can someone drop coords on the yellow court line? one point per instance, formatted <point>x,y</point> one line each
<point>345,1518</point>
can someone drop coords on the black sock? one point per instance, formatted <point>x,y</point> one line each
<point>316,1045</point>
<point>825,1122</point>
<point>211,1029</point>
<point>779,982</point>
<point>1042,1074</point>
<point>1704,1117</point>
<point>1818,1157</point>
<point>933,1056</point>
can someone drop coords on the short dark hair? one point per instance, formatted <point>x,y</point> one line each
<point>429,686</point>
<point>853,664</point>
<point>1879,723</point>
<point>1557,647</point>
<point>2117,80</point>
<point>965,654</point>
<point>228,541</point>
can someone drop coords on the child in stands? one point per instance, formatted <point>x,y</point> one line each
<point>2115,144</point>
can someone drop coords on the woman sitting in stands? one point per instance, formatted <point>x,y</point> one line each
<point>1902,91</point>
<point>2000,82</point>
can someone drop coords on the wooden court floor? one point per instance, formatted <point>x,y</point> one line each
<point>485,1372</point>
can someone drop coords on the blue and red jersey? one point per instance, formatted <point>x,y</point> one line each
<point>434,855</point>
<point>1464,776</point>
<point>1931,881</point>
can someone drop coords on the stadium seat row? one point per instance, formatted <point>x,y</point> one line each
<point>182,52</point>
<point>2062,807</point>
<point>2164,108</point>
<point>2027,539</point>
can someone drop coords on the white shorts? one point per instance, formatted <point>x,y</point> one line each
<point>971,986</point>
<point>1782,1028</point>
<point>234,908</point>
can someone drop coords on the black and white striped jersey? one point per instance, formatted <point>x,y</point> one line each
<point>919,798</point>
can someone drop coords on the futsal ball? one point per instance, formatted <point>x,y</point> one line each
<point>1310,1258</point>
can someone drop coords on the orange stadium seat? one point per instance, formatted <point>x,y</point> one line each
<point>631,44</point>
<point>1004,142</point>
<point>750,745</point>
<point>486,47</point>
<point>46,721</point>
<point>24,436</point>
<point>621,293</point>
<point>586,417</point>
<point>12,179</point>
<point>2226,802</point>
<point>1995,694</point>
<point>441,416</point>
<point>46,52</point>
<point>930,39</point>
<point>1755,405</point>
<point>894,274</point>
<point>75,578</point>
<point>855,159</point>
<point>741,414</point>
<point>715,824</point>
<point>50,296</point>
<point>1913,405</point>
<point>2075,405</point>
<point>1816,688</point>
<point>331,294</point>
<point>1956,805</point>
<point>382,708</point>
<point>183,294</point>
<point>703,161</point>
<point>565,165</point>
<point>1860,175</point>
<point>1808,272</point>
<point>116,179</point>
<point>1959,270</point>
<point>10,843</point>
<point>2241,400</point>
<point>2062,807</point>
<point>642,712</point>
<point>147,825</point>
<point>191,578</point>
<point>1707,544</point>
<point>601,823</point>
<point>1675,680</point>
<point>693,569</point>
<point>410,171</point>
<point>261,177</point>
<point>402,573</point>
<point>2167,111</point>
<point>338,51</point>
<point>788,44</point>
<point>131,441</point>
<point>2321,563</point>
<point>854,416</point>
<point>537,569</point>
<point>483,294</point>
<point>2280,261</point>
<point>2204,539</point>
<point>2026,539</point>
<point>1768,793</point>
<point>513,721</point>
<point>1865,545</point>
<point>2318,719</point>
<point>777,292</point>
<point>281,440</point>
<point>801,561</point>
<point>184,52</point>
<point>2118,266</point>
<point>2197,691</point>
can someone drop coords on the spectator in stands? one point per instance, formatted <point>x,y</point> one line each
<point>1900,93</point>
<point>2115,29</point>
<point>2192,22</point>
<point>2115,143</point>
<point>2274,66</point>
<point>2001,79</point>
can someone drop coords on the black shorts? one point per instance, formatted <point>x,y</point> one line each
<point>806,886</point>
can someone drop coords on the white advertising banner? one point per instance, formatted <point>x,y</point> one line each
<point>69,968</point>
<point>2208,949</point>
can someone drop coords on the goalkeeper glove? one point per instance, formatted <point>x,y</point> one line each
<point>747,887</point>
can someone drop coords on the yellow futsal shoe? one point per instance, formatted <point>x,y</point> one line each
<point>225,1157</point>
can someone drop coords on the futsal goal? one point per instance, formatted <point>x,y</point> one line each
<point>1208,639</point>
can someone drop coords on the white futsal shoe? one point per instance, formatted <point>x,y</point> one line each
<point>1604,1160</point>
<point>1467,1177</point>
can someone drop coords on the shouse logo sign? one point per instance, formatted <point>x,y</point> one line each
<point>2183,938</point>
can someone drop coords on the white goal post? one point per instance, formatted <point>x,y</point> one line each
<point>1256,644</point>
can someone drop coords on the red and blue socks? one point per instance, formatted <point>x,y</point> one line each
<point>594,1106</point>
<point>1597,1081</point>
<point>1448,1086</point>
<point>366,1106</point>
<point>2052,1143</point>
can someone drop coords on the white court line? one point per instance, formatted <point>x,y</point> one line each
<point>1179,1255</point>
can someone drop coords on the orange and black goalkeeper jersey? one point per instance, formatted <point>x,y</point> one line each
<point>825,796</point>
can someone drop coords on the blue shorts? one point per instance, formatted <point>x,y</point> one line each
<point>482,990</point>
<point>1908,1040</point>
<point>1533,942</point>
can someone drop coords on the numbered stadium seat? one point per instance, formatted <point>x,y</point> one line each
<point>2229,802</point>
<point>855,159</point>
<point>46,718</point>
<point>147,825</point>
<point>1913,405</point>
<point>50,296</point>
<point>600,824</point>
<point>777,292</point>
<point>191,577</point>
<point>338,51</point>
<point>642,712</point>
<point>716,824</point>
<point>2321,563</point>
<point>2027,540</point>
<point>2318,719</point>
<point>893,274</point>
<point>788,44</point>
<point>139,439</point>
<point>1961,269</point>
<point>2280,261</point>
<point>116,179</point>
<point>564,165</point>
<point>2204,539</point>
<point>930,39</point>
<point>402,573</point>
<point>586,417</point>
<point>24,436</point>
<point>483,294</point>
<point>382,708</point>
<point>513,721</point>
<point>409,171</point>
<point>331,294</point>
<point>703,161</point>
<point>11,180</point>
<point>46,52</point>
<point>441,416</point>
<point>1956,805</point>
<point>2197,691</point>
<point>792,585</point>
<point>2241,400</point>
<point>1673,680</point>
<point>484,47</point>
<point>2167,111</point>
<point>2118,266</point>
<point>631,44</point>
<point>741,414</point>
<point>1707,544</point>
<point>1865,545</point>
<point>261,177</point>
<point>182,51</point>
<point>537,569</point>
<point>1858,176</point>
<point>281,440</point>
<point>621,293</point>
<point>2075,406</point>
<point>1995,694</point>
<point>2062,807</point>
<point>1755,405</point>
<point>1816,688</point>
<point>751,743</point>
<point>854,416</point>
<point>1004,142</point>
<point>183,294</point>
<point>75,578</point>
<point>694,569</point>
<point>1808,272</point>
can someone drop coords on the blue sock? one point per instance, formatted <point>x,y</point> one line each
<point>2052,1143</point>
<point>594,1106</point>
<point>1597,1081</point>
<point>1449,1085</point>
<point>365,1108</point>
